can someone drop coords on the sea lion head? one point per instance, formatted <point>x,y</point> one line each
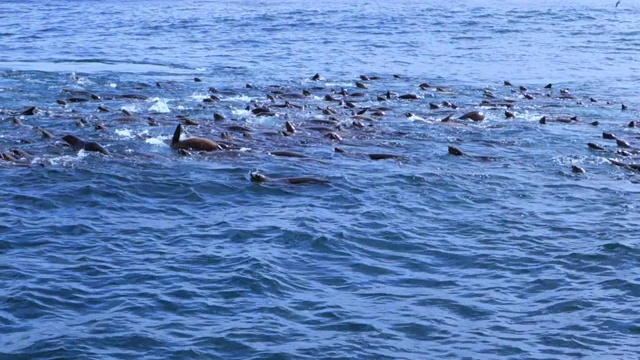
<point>257,177</point>
<point>455,151</point>
<point>73,140</point>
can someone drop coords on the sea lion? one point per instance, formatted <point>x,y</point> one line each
<point>385,156</point>
<point>79,144</point>
<point>198,144</point>
<point>622,143</point>
<point>632,167</point>
<point>8,157</point>
<point>473,115</point>
<point>449,104</point>
<point>334,136</point>
<point>45,133</point>
<point>133,97</point>
<point>610,136</point>
<point>408,97</point>
<point>190,122</point>
<point>288,154</point>
<point>21,154</point>
<point>455,151</point>
<point>77,100</point>
<point>507,83</point>
<point>595,146</point>
<point>30,111</point>
<point>257,177</point>
<point>290,128</point>
<point>577,169</point>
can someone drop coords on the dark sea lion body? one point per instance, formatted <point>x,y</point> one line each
<point>384,156</point>
<point>257,177</point>
<point>455,151</point>
<point>595,146</point>
<point>79,144</point>
<point>577,169</point>
<point>198,144</point>
<point>473,115</point>
<point>288,154</point>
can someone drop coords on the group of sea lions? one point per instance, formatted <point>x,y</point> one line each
<point>336,116</point>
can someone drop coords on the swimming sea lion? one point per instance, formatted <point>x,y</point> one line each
<point>384,156</point>
<point>78,144</point>
<point>289,126</point>
<point>610,136</point>
<point>288,154</point>
<point>577,169</point>
<point>408,97</point>
<point>632,167</point>
<point>455,151</point>
<point>30,111</point>
<point>595,146</point>
<point>257,177</point>
<point>7,157</point>
<point>622,143</point>
<point>198,144</point>
<point>473,115</point>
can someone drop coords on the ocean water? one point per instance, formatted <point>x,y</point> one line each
<point>149,254</point>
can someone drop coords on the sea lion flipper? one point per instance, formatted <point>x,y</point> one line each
<point>176,134</point>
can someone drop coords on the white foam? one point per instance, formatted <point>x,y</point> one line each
<point>416,118</point>
<point>199,96</point>
<point>128,134</point>
<point>159,106</point>
<point>244,98</point>
<point>125,133</point>
<point>241,112</point>
<point>158,141</point>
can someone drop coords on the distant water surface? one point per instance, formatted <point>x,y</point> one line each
<point>149,254</point>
